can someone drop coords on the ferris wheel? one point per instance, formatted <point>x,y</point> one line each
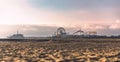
<point>61,31</point>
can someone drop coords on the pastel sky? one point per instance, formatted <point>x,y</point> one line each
<point>46,15</point>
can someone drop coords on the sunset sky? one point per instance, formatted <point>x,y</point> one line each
<point>43,17</point>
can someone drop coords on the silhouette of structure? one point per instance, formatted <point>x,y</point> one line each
<point>80,32</point>
<point>16,36</point>
<point>61,31</point>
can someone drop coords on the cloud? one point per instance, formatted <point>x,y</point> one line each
<point>22,12</point>
<point>88,11</point>
<point>27,30</point>
<point>44,31</point>
<point>115,25</point>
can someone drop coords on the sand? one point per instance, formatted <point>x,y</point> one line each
<point>81,51</point>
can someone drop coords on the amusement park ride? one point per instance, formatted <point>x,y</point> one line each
<point>61,32</point>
